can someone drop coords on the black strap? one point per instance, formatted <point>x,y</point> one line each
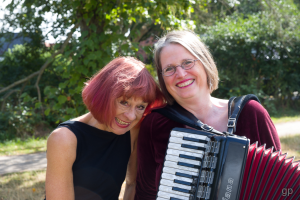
<point>181,115</point>
<point>178,114</point>
<point>235,107</point>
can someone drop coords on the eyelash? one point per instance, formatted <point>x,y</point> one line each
<point>125,103</point>
<point>141,107</point>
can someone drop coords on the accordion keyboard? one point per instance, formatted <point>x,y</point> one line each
<point>189,167</point>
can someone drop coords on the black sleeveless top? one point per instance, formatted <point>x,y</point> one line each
<point>101,161</point>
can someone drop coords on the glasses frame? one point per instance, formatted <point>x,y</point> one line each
<point>174,67</point>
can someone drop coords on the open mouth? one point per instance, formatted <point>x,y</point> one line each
<point>186,83</point>
<point>121,123</point>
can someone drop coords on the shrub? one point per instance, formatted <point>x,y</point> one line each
<point>254,55</point>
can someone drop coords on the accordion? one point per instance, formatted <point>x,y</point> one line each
<point>200,165</point>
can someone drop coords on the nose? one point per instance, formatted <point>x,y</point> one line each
<point>130,114</point>
<point>180,72</point>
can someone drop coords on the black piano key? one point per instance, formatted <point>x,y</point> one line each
<point>183,182</point>
<point>193,147</point>
<point>173,198</point>
<point>190,157</point>
<point>181,190</point>
<point>194,140</point>
<point>184,175</point>
<point>188,165</point>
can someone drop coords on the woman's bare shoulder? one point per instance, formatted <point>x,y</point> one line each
<point>62,141</point>
<point>63,136</point>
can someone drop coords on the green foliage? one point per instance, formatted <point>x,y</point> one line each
<point>20,62</point>
<point>108,29</point>
<point>258,54</point>
<point>21,112</point>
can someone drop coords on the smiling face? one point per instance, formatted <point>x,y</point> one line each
<point>183,84</point>
<point>128,114</point>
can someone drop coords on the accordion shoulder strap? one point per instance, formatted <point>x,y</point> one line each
<point>178,114</point>
<point>235,106</point>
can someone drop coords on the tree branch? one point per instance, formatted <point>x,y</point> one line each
<point>20,81</point>
<point>143,31</point>
<point>40,72</point>
<point>5,97</point>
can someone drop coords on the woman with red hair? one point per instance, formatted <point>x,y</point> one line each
<point>89,156</point>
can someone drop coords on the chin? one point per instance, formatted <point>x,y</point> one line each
<point>186,96</point>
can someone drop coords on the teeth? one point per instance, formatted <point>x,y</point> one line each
<point>121,122</point>
<point>185,83</point>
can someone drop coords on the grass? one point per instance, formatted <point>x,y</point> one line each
<point>291,145</point>
<point>27,186</point>
<point>23,186</point>
<point>277,120</point>
<point>287,115</point>
<point>18,147</point>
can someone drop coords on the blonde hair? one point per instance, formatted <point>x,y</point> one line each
<point>193,44</point>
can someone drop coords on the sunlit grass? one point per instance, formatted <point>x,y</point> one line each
<point>18,147</point>
<point>286,115</point>
<point>25,185</point>
<point>277,120</point>
<point>291,145</point>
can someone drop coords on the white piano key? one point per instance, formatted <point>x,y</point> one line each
<point>177,152</point>
<point>173,177</point>
<point>160,198</point>
<point>173,171</point>
<point>170,195</point>
<point>178,159</point>
<point>170,190</point>
<point>190,135</point>
<point>178,147</point>
<point>175,165</point>
<point>181,141</point>
<point>172,184</point>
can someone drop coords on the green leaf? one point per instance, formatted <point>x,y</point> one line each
<point>23,95</point>
<point>47,111</point>
<point>62,99</point>
<point>38,105</point>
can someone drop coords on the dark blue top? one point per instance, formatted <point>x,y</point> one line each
<point>101,161</point>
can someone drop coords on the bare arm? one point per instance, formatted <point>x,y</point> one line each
<point>61,154</point>
<point>132,166</point>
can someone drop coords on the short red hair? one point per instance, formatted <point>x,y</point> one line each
<point>123,76</point>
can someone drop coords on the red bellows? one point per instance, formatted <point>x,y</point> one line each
<point>270,175</point>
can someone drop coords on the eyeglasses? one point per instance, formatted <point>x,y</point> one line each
<point>170,70</point>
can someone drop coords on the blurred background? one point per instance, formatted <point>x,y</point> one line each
<point>48,49</point>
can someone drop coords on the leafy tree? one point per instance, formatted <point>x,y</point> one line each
<point>107,29</point>
<point>259,53</point>
<point>19,105</point>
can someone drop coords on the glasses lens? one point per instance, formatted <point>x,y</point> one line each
<point>188,64</point>
<point>168,71</point>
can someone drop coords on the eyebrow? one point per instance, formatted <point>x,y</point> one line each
<point>141,102</point>
<point>180,61</point>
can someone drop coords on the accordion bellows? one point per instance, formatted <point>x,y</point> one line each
<point>203,166</point>
<point>270,175</point>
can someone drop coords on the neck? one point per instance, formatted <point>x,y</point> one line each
<point>202,107</point>
<point>90,120</point>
